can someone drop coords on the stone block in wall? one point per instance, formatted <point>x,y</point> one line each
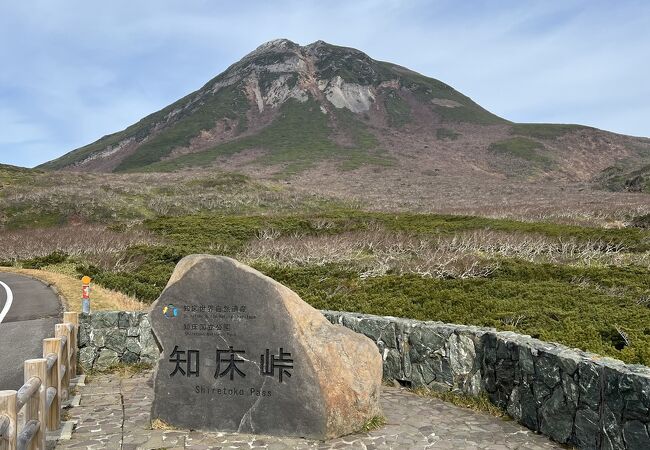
<point>635,393</point>
<point>589,389</point>
<point>636,434</point>
<point>87,357</point>
<point>104,319</point>
<point>115,339</point>
<point>586,428</point>
<point>427,355</point>
<point>556,416</point>
<point>108,338</point>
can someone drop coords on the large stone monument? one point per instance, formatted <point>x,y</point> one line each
<point>241,352</point>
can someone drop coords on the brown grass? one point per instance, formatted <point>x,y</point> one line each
<point>417,186</point>
<point>463,255</point>
<point>370,253</point>
<point>70,290</point>
<point>95,242</point>
<point>158,424</point>
<point>427,179</point>
<point>120,370</point>
<point>480,403</point>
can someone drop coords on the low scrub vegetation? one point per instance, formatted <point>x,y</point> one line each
<point>43,246</point>
<point>545,130</point>
<point>621,179</point>
<point>583,286</point>
<point>35,199</point>
<point>522,148</point>
<point>446,133</point>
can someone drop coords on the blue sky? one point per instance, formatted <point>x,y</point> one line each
<point>72,71</point>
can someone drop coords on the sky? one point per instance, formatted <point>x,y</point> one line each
<point>72,71</point>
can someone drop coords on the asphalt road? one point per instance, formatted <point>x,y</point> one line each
<point>30,318</point>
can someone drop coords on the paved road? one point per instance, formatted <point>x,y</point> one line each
<point>30,318</point>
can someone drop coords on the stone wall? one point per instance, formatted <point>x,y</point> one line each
<point>108,338</point>
<point>572,396</point>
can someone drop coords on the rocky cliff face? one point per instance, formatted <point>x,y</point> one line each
<point>291,107</point>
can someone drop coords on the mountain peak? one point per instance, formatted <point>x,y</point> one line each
<point>280,44</point>
<point>288,105</point>
<point>319,43</point>
<point>283,45</point>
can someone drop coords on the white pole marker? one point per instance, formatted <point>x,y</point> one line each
<point>10,299</point>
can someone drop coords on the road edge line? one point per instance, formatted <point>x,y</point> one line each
<point>10,299</point>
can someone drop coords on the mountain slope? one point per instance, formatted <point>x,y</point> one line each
<point>291,107</point>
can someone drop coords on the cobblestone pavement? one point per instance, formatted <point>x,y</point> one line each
<point>113,413</point>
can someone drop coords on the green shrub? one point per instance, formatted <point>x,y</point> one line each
<point>542,299</point>
<point>522,148</point>
<point>398,110</point>
<point>205,232</point>
<point>446,134</point>
<point>545,130</point>
<point>40,262</point>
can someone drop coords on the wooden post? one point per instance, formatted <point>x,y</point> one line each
<point>73,318</point>
<point>36,407</point>
<point>8,408</point>
<point>54,380</point>
<point>62,331</point>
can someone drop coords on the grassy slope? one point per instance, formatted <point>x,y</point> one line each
<point>138,131</point>
<point>21,214</point>
<point>229,102</point>
<point>13,175</point>
<point>398,110</point>
<point>546,130</point>
<point>13,169</point>
<point>524,149</point>
<point>299,127</point>
<point>619,179</point>
<point>427,89</point>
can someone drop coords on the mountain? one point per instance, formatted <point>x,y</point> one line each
<point>10,168</point>
<point>286,108</point>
